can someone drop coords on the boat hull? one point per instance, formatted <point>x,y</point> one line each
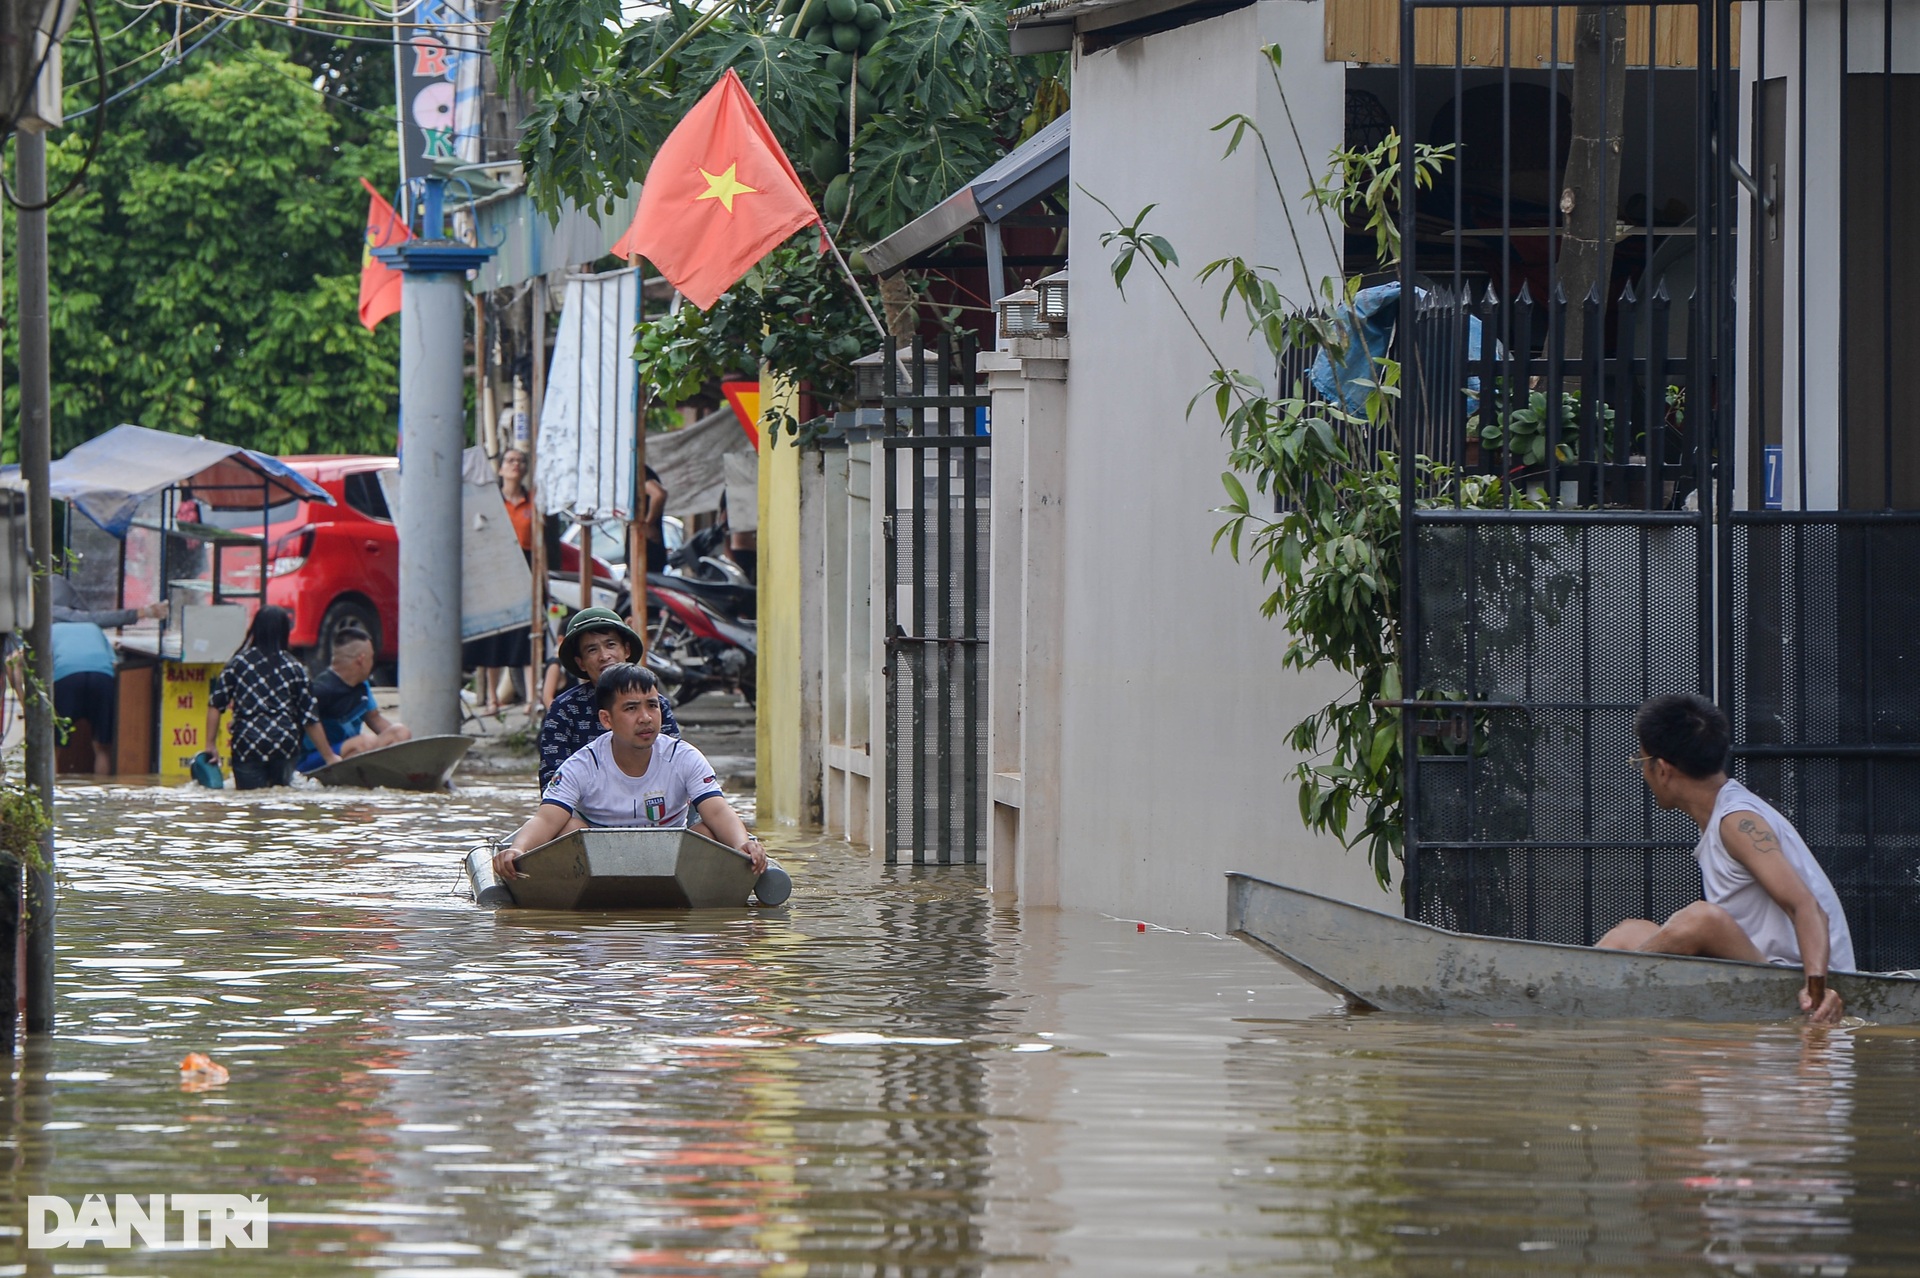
<point>425,764</point>
<point>602,869</point>
<point>1379,961</point>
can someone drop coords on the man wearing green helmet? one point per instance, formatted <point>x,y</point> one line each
<point>596,639</point>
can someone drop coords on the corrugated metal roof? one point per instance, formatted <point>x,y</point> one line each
<point>528,243</point>
<point>1052,11</point>
<point>1012,182</point>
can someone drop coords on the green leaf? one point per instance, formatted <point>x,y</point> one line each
<point>1384,738</point>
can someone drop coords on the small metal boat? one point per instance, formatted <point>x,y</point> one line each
<point>604,869</point>
<point>1377,961</point>
<point>424,763</point>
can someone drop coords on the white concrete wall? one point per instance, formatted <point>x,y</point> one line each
<point>1812,168</point>
<point>1174,707</point>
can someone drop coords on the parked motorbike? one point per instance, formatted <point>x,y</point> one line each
<point>711,652</point>
<point>697,567</point>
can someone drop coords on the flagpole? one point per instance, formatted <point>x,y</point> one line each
<point>857,290</point>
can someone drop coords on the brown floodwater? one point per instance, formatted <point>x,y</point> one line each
<point>895,1075</point>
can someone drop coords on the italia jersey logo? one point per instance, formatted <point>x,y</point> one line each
<point>657,809</point>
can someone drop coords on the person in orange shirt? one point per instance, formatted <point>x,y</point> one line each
<point>519,498</point>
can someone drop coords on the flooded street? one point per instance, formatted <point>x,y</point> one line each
<point>891,1076</point>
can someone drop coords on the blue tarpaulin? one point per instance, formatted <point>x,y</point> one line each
<point>1370,322</point>
<point>108,477</point>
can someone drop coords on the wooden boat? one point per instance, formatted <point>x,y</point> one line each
<point>424,763</point>
<point>1377,961</point>
<point>604,869</point>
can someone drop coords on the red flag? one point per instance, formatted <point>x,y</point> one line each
<point>380,283</point>
<point>718,197</point>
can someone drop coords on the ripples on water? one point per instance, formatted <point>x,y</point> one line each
<point>891,1076</point>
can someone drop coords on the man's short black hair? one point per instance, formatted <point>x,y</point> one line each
<point>621,677</point>
<point>1687,731</point>
<point>350,634</point>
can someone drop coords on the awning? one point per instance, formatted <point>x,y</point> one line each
<point>109,476</point>
<point>1016,180</point>
<point>691,461</point>
<point>528,243</point>
<point>1050,25</point>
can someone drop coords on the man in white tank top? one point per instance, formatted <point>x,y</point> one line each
<point>1767,899</point>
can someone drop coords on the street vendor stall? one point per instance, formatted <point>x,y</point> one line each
<point>181,520</point>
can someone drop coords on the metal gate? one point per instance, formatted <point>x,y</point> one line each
<point>1539,625</point>
<point>936,478</point>
<point>1536,632</point>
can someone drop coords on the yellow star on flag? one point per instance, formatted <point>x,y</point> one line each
<point>723,187</point>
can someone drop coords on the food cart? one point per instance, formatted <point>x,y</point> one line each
<point>151,515</point>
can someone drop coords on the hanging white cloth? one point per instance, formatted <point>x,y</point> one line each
<point>585,447</point>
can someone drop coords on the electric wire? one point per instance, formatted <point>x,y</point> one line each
<point>380,114</point>
<point>149,78</point>
<point>167,44</point>
<point>140,14</point>
<point>469,27</point>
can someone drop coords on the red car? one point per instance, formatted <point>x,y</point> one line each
<point>337,565</point>
<point>329,565</point>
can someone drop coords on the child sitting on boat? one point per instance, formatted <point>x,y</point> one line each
<point>631,776</point>
<point>1767,899</point>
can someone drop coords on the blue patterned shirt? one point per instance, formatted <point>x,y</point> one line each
<point>573,721</point>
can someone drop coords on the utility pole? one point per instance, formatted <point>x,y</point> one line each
<point>537,387</point>
<point>36,459</point>
<point>433,433</point>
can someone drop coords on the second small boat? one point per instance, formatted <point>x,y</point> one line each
<point>1379,962</point>
<point>425,764</point>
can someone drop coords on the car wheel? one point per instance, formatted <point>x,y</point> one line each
<point>340,614</point>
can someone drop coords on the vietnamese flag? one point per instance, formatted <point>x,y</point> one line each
<point>379,283</point>
<point>719,196</point>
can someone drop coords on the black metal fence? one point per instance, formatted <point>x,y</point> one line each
<point>1826,707</point>
<point>936,477</point>
<point>1665,434</point>
<point>1566,381</point>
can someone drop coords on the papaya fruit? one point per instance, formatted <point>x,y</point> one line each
<point>839,66</point>
<point>865,103</point>
<point>828,161</point>
<point>835,203</point>
<point>870,73</point>
<point>865,40</point>
<point>847,37</point>
<point>822,36</point>
<point>868,16</point>
<point>843,10</point>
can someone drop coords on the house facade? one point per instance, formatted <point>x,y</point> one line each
<point>1738,460</point>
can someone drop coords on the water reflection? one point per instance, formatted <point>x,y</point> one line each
<point>892,1075</point>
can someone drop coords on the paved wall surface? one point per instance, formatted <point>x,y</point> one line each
<point>1174,706</point>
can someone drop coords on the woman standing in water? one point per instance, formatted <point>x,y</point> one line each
<point>272,703</point>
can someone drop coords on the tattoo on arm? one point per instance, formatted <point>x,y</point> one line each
<point>1759,835</point>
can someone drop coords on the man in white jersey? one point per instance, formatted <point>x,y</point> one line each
<point>1767,899</point>
<point>631,777</point>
